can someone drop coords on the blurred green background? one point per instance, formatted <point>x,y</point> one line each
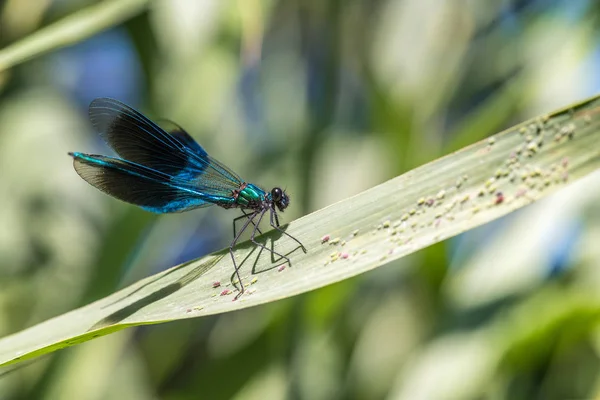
<point>325,98</point>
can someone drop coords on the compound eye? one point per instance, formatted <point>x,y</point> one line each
<point>276,194</point>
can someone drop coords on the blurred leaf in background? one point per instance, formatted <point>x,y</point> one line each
<point>329,97</point>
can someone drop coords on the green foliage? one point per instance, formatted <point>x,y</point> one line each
<point>327,99</point>
<point>434,202</point>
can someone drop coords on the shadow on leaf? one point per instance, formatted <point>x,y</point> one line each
<point>163,292</point>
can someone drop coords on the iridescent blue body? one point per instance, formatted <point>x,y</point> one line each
<point>166,171</point>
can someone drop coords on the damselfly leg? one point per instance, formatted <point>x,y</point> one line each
<point>249,220</point>
<point>253,240</point>
<point>275,225</point>
<point>246,215</point>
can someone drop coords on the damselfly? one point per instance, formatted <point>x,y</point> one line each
<point>166,171</point>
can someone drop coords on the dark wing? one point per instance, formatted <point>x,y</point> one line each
<point>176,131</point>
<point>139,140</point>
<point>150,189</point>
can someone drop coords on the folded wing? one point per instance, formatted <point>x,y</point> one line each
<point>175,153</point>
<point>133,183</point>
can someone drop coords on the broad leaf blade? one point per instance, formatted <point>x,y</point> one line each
<point>431,203</point>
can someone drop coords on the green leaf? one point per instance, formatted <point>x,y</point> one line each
<point>70,30</point>
<point>458,192</point>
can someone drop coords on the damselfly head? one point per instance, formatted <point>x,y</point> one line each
<point>280,198</point>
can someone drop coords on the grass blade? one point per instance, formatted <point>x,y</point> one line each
<point>458,192</point>
<point>70,30</point>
